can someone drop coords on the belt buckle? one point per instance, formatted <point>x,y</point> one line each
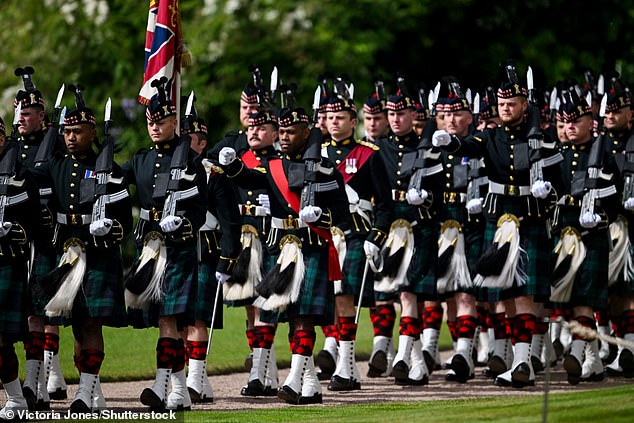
<point>247,209</point>
<point>73,219</point>
<point>155,214</point>
<point>511,190</point>
<point>450,197</point>
<point>401,195</point>
<point>291,223</point>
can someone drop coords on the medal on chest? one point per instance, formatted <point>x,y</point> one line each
<point>351,165</point>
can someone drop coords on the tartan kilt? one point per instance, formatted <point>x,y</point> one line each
<point>591,282</point>
<point>317,296</point>
<point>206,293</point>
<point>45,259</point>
<point>535,262</point>
<point>353,267</point>
<point>101,294</point>
<point>179,290</point>
<point>14,298</point>
<point>421,273</point>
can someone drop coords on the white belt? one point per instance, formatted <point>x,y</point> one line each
<point>288,223</point>
<point>510,190</point>
<point>155,215</point>
<point>362,207</point>
<point>74,219</point>
<point>253,210</point>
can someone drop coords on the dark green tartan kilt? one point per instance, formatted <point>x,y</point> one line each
<point>421,273</point>
<point>179,290</point>
<point>101,294</point>
<point>353,267</point>
<point>45,259</point>
<point>206,294</point>
<point>535,262</point>
<point>13,297</point>
<point>591,282</point>
<point>317,296</point>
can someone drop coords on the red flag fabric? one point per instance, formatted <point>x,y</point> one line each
<point>162,44</point>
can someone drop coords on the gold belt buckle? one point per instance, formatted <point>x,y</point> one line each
<point>247,209</point>
<point>401,195</point>
<point>450,197</point>
<point>511,190</point>
<point>290,223</point>
<point>155,214</point>
<point>73,219</point>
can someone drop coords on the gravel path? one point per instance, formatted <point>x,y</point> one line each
<point>124,396</point>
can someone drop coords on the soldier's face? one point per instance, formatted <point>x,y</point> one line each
<point>579,131</point>
<point>260,136</point>
<point>375,124</point>
<point>162,130</point>
<point>79,138</point>
<point>457,123</point>
<point>619,119</point>
<point>322,122</point>
<point>511,110</point>
<point>341,125</point>
<point>293,138</point>
<point>198,143</point>
<point>245,110</point>
<point>30,120</point>
<point>561,131</point>
<point>401,121</point>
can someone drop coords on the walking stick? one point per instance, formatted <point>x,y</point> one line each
<point>213,315</point>
<point>365,274</point>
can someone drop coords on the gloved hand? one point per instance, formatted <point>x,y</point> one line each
<point>371,250</point>
<point>589,220</point>
<point>629,204</point>
<point>416,197</point>
<point>170,223</point>
<point>222,277</point>
<point>263,199</point>
<point>310,214</point>
<point>100,227</point>
<point>440,138</point>
<point>474,206</point>
<point>226,156</point>
<point>540,189</point>
<point>5,228</point>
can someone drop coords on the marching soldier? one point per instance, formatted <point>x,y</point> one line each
<point>516,214</point>
<point>580,272</point>
<point>375,122</point>
<point>20,221</point>
<point>218,249</point>
<point>92,209</point>
<point>410,250</point>
<point>161,285</point>
<point>39,362</point>
<point>360,163</point>
<point>301,230</point>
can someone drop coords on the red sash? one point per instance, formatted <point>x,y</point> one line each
<point>277,172</point>
<point>361,153</point>
<point>249,159</point>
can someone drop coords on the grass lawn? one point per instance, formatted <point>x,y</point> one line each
<point>130,353</point>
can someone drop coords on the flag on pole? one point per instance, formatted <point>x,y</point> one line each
<point>162,47</point>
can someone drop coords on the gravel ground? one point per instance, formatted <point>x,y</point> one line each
<point>124,396</point>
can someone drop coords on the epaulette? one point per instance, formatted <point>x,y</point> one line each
<point>325,144</point>
<point>369,144</point>
<point>260,169</point>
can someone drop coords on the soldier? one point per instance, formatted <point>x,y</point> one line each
<point>301,229</point>
<point>21,220</point>
<point>620,145</point>
<point>85,290</point>
<point>32,131</point>
<point>516,215</point>
<point>410,250</point>
<point>579,277</point>
<point>254,206</point>
<point>218,249</point>
<point>172,192</point>
<point>375,122</point>
<point>359,162</point>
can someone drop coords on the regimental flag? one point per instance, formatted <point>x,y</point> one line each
<point>162,46</point>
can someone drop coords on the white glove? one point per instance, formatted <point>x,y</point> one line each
<point>226,155</point>
<point>589,220</point>
<point>100,227</point>
<point>416,197</point>
<point>474,206</point>
<point>371,250</point>
<point>222,277</point>
<point>629,204</point>
<point>170,223</point>
<point>309,214</point>
<point>263,199</point>
<point>440,138</point>
<point>540,189</point>
<point>5,228</point>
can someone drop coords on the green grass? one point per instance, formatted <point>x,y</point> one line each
<point>130,353</point>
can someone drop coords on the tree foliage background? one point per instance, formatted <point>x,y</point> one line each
<point>99,44</point>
